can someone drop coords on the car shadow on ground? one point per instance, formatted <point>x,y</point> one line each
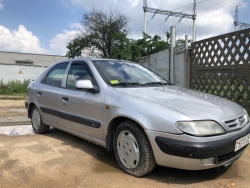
<point>161,174</point>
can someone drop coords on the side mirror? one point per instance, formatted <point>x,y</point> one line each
<point>86,84</point>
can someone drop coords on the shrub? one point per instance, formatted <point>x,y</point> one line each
<point>14,87</point>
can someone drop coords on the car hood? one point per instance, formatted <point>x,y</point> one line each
<point>196,105</point>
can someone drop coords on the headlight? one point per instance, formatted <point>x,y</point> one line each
<point>247,116</point>
<point>200,128</point>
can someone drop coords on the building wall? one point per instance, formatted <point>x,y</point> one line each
<point>19,72</point>
<point>37,59</point>
<point>25,66</point>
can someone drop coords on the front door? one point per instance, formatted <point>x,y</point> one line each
<point>81,110</point>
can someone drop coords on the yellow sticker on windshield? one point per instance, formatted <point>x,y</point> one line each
<point>114,81</point>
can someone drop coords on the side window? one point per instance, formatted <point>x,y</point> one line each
<point>55,75</point>
<point>78,71</point>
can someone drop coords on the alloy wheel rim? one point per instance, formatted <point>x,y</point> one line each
<point>36,119</point>
<point>128,149</point>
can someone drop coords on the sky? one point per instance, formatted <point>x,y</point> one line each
<point>46,26</point>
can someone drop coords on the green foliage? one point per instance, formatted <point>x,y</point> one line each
<point>14,87</point>
<point>149,45</point>
<point>180,42</point>
<point>75,46</point>
<point>126,49</point>
<point>121,46</point>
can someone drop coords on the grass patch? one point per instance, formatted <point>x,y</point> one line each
<point>14,87</point>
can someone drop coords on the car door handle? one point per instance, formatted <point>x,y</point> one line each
<point>39,93</point>
<point>65,98</point>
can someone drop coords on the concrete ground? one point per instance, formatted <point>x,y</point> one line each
<point>58,159</point>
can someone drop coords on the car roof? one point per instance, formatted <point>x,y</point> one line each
<point>101,59</point>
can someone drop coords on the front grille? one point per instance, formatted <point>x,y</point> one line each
<point>228,156</point>
<point>236,123</point>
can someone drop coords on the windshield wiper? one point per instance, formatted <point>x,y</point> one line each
<point>127,84</point>
<point>157,83</point>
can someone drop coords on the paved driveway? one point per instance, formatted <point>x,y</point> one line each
<point>58,159</point>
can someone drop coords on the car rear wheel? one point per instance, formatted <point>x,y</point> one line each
<point>132,149</point>
<point>37,122</point>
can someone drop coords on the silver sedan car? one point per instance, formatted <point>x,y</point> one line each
<point>135,113</point>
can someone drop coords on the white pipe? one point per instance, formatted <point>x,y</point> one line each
<point>145,22</point>
<point>173,40</point>
<point>194,31</point>
<point>186,42</point>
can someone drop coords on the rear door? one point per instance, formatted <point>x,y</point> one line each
<point>47,94</point>
<point>82,110</point>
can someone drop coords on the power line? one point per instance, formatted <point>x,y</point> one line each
<point>191,5</point>
<point>177,28</point>
<point>187,9</point>
<point>189,28</point>
<point>165,21</point>
<point>212,6</point>
<point>164,27</point>
<point>141,27</point>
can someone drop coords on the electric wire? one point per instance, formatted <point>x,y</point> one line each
<point>177,28</point>
<point>164,27</point>
<point>141,27</point>
<point>163,22</point>
<point>189,28</point>
<point>211,6</point>
<point>189,6</point>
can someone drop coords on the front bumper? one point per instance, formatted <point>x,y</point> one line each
<point>173,151</point>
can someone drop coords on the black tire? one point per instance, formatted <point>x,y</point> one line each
<point>146,162</point>
<point>37,123</point>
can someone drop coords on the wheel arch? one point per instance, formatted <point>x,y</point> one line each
<point>30,107</point>
<point>112,128</point>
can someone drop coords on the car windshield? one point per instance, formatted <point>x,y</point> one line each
<point>119,73</point>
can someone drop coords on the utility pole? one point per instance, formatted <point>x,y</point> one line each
<point>194,19</point>
<point>238,24</point>
<point>145,15</point>
<point>170,13</point>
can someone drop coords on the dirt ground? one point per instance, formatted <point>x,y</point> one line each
<point>13,112</point>
<point>12,108</point>
<point>58,159</point>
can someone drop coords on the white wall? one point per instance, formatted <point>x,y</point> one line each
<point>18,72</point>
<point>158,62</point>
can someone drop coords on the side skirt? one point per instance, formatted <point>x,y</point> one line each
<point>85,137</point>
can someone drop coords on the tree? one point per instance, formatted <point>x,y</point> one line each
<point>121,47</point>
<point>75,46</point>
<point>100,30</point>
<point>134,49</point>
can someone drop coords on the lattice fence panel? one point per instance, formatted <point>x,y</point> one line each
<point>221,66</point>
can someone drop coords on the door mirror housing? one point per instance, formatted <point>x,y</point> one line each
<point>87,84</point>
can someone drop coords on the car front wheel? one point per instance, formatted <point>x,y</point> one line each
<point>132,149</point>
<point>37,122</point>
